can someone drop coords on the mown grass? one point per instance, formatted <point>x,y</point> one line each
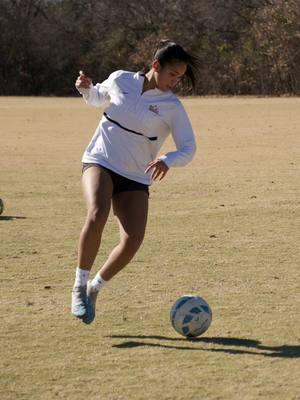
<point>226,227</point>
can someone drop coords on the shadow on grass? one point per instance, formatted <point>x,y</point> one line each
<point>10,217</point>
<point>247,346</point>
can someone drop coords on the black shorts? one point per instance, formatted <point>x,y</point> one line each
<point>120,183</point>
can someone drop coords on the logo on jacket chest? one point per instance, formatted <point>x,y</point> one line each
<point>154,109</point>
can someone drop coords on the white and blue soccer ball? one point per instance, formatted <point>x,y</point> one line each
<point>190,315</point>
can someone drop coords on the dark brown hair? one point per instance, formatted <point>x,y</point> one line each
<point>169,52</point>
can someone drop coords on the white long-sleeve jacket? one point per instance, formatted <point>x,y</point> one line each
<point>135,125</point>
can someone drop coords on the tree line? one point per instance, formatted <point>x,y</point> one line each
<point>244,46</point>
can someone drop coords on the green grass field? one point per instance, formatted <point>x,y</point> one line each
<point>226,227</point>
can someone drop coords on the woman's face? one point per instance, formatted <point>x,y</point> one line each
<point>168,76</point>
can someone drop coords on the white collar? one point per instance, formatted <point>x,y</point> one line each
<point>140,76</point>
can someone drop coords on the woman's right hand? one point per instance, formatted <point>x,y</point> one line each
<point>83,82</point>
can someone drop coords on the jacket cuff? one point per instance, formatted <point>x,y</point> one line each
<point>166,160</point>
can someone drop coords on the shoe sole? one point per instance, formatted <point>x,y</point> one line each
<point>89,316</point>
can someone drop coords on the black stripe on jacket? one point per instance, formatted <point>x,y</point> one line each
<point>128,130</point>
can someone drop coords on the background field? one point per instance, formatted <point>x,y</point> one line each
<point>226,227</point>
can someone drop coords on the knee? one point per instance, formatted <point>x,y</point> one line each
<point>132,243</point>
<point>96,216</point>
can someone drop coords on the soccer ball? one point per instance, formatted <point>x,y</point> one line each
<point>1,206</point>
<point>190,315</point>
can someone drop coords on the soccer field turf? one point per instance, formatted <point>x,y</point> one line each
<point>225,227</point>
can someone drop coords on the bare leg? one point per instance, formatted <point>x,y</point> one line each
<point>131,210</point>
<point>97,189</point>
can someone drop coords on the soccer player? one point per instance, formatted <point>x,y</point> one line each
<point>121,161</point>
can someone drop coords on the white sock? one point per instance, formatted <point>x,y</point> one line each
<point>82,276</point>
<point>98,282</point>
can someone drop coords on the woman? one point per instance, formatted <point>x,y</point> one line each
<point>121,160</point>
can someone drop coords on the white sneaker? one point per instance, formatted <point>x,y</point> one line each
<point>79,301</point>
<point>91,304</point>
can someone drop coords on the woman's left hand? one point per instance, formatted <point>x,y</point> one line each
<point>159,169</point>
